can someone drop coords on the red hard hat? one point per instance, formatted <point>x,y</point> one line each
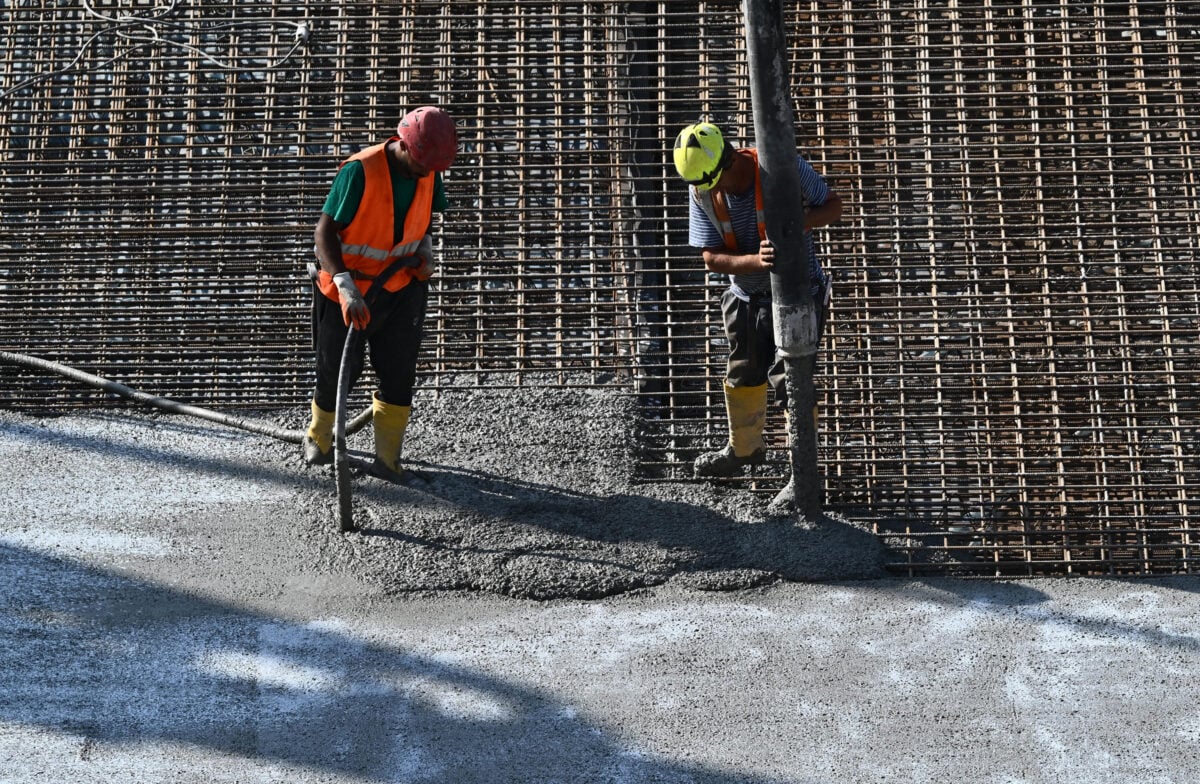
<point>429,135</point>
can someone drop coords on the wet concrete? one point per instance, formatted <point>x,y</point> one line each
<point>177,605</point>
<point>533,494</point>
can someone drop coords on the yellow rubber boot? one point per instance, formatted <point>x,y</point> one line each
<point>318,439</point>
<point>746,409</point>
<point>389,422</point>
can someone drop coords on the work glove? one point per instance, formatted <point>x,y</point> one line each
<point>428,265</point>
<point>354,308</point>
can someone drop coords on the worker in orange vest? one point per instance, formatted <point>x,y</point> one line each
<point>726,225</point>
<point>375,251</point>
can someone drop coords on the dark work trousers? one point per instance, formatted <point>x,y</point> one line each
<point>393,337</point>
<point>750,327</point>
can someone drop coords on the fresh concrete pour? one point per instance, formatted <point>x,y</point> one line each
<point>176,605</point>
<point>530,493</point>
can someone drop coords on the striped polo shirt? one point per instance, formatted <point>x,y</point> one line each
<point>742,213</point>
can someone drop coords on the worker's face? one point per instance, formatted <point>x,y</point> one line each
<point>418,171</point>
<point>414,168</point>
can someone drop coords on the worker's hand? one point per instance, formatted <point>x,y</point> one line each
<point>354,308</point>
<point>428,265</point>
<point>766,255</point>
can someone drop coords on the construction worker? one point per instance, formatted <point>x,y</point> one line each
<point>375,252</point>
<point>726,224</point>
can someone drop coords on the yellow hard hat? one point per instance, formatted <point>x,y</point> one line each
<point>701,154</point>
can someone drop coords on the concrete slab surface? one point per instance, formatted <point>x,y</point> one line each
<point>172,609</point>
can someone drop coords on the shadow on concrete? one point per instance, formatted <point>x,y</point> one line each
<point>160,448</point>
<point>1030,604</point>
<point>109,660</point>
<point>615,540</point>
<point>479,530</point>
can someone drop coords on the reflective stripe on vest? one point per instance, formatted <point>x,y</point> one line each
<point>714,206</point>
<point>367,248</point>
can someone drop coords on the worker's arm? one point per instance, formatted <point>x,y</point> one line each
<point>428,264</point>
<point>329,244</point>
<point>329,254</point>
<point>827,214</point>
<point>722,261</point>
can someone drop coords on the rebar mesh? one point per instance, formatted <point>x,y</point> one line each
<point>1009,380</point>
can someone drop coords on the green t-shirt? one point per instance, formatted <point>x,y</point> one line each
<point>346,192</point>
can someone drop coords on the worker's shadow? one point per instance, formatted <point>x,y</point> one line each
<point>612,541</point>
<point>96,664</point>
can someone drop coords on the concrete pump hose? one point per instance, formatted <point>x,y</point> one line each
<point>262,428</point>
<point>341,457</point>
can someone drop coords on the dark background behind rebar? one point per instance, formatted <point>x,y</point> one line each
<point>1010,380</point>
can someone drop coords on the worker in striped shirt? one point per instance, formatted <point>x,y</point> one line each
<point>726,225</point>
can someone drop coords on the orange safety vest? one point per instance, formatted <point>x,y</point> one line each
<point>367,247</point>
<point>717,210</point>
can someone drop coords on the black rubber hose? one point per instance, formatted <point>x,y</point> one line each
<point>341,458</point>
<point>262,428</point>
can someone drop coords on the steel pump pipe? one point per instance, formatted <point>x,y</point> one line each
<point>173,406</point>
<point>795,313</point>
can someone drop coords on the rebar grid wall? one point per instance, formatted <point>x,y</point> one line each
<point>1009,380</point>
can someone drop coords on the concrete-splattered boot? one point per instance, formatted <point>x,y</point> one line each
<point>746,408</point>
<point>389,422</point>
<point>318,439</point>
